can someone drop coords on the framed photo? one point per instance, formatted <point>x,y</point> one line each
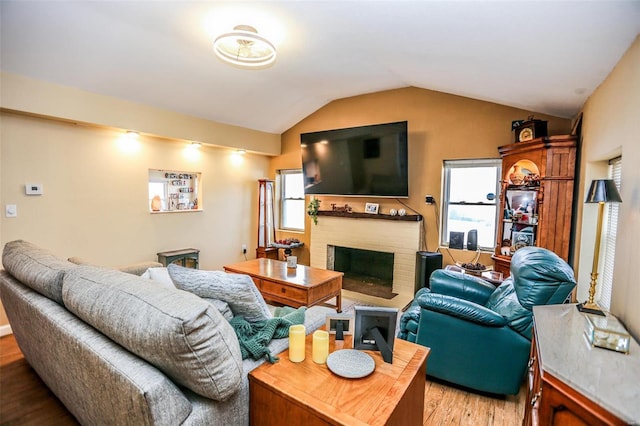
<point>375,329</point>
<point>347,322</point>
<point>522,239</point>
<point>371,208</point>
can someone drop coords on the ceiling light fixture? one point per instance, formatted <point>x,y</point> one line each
<point>196,145</point>
<point>244,48</point>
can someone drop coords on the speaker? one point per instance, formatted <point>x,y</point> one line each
<point>456,240</point>
<point>426,263</point>
<point>472,240</point>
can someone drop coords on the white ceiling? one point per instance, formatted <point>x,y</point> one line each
<point>543,56</point>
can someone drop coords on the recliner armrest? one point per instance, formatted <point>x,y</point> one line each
<point>461,308</point>
<point>460,285</point>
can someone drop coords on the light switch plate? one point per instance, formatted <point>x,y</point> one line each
<point>11,210</point>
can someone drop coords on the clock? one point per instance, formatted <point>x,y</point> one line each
<point>530,129</point>
<point>525,134</point>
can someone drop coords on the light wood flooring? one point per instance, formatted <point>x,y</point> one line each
<point>25,400</point>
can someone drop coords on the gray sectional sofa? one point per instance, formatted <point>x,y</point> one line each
<point>117,348</point>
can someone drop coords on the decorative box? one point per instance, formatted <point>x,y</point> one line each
<point>607,332</point>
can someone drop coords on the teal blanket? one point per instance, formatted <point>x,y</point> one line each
<point>254,337</point>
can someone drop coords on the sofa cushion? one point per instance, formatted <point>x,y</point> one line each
<point>237,290</point>
<point>176,331</point>
<point>36,267</point>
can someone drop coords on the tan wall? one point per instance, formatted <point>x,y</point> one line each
<point>95,195</point>
<point>95,201</point>
<point>65,103</point>
<point>441,127</point>
<point>610,128</point>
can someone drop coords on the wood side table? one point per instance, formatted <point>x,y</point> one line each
<point>302,286</point>
<point>310,394</point>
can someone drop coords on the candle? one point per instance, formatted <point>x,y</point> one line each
<point>320,346</point>
<point>296,342</point>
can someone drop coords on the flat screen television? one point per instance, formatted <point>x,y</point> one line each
<point>366,161</point>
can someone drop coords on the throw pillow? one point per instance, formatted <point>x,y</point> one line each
<point>238,290</point>
<point>221,306</point>
<point>159,276</point>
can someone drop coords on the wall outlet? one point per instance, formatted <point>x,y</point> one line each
<point>33,188</point>
<point>244,249</point>
<point>429,199</point>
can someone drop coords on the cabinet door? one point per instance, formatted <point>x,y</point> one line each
<point>534,388</point>
<point>520,218</point>
<point>562,405</point>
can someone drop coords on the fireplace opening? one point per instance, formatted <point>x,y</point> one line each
<point>365,271</point>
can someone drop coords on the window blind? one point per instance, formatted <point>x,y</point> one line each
<point>609,239</point>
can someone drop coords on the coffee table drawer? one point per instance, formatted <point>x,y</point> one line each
<point>282,291</point>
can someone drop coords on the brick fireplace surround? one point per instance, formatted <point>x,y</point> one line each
<point>400,236</point>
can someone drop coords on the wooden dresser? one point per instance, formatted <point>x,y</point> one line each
<point>570,382</point>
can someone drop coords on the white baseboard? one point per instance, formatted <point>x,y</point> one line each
<point>5,330</point>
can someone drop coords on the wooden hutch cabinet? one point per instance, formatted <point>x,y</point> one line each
<point>536,197</point>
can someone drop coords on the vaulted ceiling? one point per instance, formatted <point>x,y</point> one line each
<point>543,56</point>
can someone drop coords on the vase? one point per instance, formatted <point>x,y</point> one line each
<point>516,177</point>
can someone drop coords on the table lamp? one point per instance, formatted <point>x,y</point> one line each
<point>601,191</point>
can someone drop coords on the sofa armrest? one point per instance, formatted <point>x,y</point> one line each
<point>462,309</point>
<point>461,286</point>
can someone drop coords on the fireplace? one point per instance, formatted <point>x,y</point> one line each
<point>365,271</point>
<point>380,233</point>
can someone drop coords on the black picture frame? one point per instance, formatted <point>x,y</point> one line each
<point>340,324</point>
<point>456,240</point>
<point>375,328</point>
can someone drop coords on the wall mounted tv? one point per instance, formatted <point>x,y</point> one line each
<point>366,161</point>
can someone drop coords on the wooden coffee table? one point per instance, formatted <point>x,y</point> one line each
<point>287,393</point>
<point>300,286</point>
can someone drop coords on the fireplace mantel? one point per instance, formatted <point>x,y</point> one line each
<point>408,218</point>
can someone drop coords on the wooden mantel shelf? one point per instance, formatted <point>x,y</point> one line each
<point>407,218</point>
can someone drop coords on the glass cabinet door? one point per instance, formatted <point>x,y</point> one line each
<point>520,218</point>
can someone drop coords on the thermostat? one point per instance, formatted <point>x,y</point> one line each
<point>33,188</point>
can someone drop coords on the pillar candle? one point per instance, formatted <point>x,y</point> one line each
<point>296,342</point>
<point>320,346</point>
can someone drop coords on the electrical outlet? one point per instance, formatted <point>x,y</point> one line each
<point>429,199</point>
<point>244,249</point>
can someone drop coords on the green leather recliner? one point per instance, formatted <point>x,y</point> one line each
<point>480,335</point>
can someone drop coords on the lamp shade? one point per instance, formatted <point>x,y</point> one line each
<point>603,191</point>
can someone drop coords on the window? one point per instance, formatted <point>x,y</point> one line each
<point>469,200</point>
<point>292,206</point>
<point>609,239</point>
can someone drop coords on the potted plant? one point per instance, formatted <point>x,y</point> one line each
<point>313,208</point>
